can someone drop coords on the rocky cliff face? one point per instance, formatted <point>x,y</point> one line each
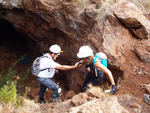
<point>118,28</point>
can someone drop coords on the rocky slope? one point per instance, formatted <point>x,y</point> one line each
<point>119,28</point>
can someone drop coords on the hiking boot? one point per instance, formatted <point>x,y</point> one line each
<point>146,98</point>
<point>42,101</point>
<point>55,100</point>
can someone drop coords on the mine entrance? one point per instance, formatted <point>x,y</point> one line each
<point>13,45</point>
<point>15,54</point>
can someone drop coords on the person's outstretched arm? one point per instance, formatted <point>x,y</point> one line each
<point>108,72</point>
<point>67,67</point>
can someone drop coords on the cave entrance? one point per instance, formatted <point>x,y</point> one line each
<point>17,47</point>
<point>12,44</point>
<point>15,53</point>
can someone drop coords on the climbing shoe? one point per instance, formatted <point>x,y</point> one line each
<point>56,94</point>
<point>58,90</point>
<point>146,98</point>
<point>42,101</point>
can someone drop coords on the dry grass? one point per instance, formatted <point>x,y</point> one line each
<point>97,91</point>
<point>28,106</point>
<point>107,7</point>
<point>82,4</point>
<point>31,106</point>
<point>103,7</point>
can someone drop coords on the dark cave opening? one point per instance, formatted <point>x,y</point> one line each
<point>117,74</point>
<point>15,55</point>
<point>15,45</point>
<point>11,39</point>
<point>17,52</point>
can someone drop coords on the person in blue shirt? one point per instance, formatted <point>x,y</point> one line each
<point>96,72</point>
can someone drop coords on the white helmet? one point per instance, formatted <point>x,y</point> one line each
<point>55,49</point>
<point>84,52</point>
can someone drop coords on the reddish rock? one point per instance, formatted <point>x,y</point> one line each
<point>34,92</point>
<point>128,14</point>
<point>143,52</point>
<point>147,87</point>
<point>69,94</point>
<point>134,105</point>
<point>80,99</point>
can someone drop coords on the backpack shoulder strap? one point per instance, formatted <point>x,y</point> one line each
<point>94,60</point>
<point>40,62</point>
<point>45,57</point>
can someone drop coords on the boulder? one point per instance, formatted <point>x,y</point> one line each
<point>128,13</point>
<point>69,94</point>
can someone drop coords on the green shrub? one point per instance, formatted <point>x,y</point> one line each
<point>8,88</point>
<point>10,73</point>
<point>23,76</point>
<point>8,76</point>
<point>9,96</point>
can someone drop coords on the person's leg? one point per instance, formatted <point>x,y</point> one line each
<point>86,81</point>
<point>51,85</point>
<point>42,91</point>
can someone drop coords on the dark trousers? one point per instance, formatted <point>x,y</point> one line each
<point>92,79</point>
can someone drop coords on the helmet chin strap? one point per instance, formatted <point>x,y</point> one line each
<point>53,56</point>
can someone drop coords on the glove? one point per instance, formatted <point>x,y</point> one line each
<point>79,63</point>
<point>114,89</point>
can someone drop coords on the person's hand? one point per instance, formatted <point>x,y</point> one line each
<point>76,64</point>
<point>79,63</point>
<point>56,71</point>
<point>114,89</point>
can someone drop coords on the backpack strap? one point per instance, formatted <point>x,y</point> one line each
<point>94,60</point>
<point>44,57</point>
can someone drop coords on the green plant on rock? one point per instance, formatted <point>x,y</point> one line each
<point>8,76</point>
<point>8,90</point>
<point>9,96</point>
